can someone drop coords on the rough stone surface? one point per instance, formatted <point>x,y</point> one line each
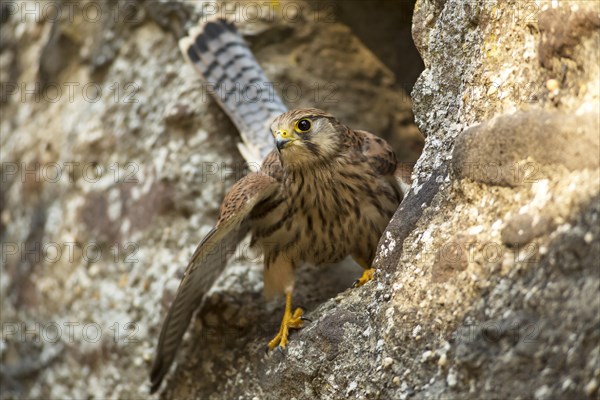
<point>521,229</point>
<point>485,289</point>
<point>508,150</point>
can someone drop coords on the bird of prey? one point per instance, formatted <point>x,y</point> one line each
<point>324,191</point>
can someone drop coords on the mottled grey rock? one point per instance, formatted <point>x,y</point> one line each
<point>405,218</point>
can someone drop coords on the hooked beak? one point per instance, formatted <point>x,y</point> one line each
<point>282,139</point>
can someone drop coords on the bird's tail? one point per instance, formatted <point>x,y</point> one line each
<point>236,80</point>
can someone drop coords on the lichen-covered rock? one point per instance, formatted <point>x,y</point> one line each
<point>516,319</point>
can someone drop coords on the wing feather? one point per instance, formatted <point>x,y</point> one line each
<point>378,151</point>
<point>383,160</point>
<point>207,263</point>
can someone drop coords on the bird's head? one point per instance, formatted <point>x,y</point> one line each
<point>307,137</point>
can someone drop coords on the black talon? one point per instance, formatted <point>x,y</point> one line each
<point>280,350</point>
<point>355,284</point>
<point>303,318</point>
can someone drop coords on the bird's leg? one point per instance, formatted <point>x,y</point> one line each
<point>367,273</point>
<point>290,321</point>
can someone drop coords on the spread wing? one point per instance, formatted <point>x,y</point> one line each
<point>207,263</point>
<point>237,82</point>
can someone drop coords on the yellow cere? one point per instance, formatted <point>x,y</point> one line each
<point>283,133</point>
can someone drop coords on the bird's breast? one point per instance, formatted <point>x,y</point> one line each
<point>323,215</point>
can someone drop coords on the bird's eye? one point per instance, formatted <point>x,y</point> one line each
<point>303,125</point>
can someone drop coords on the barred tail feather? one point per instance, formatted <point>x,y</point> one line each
<point>237,82</point>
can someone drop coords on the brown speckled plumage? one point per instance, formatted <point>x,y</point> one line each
<point>334,199</point>
<point>322,195</point>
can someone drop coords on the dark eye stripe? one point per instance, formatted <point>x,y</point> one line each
<point>313,148</point>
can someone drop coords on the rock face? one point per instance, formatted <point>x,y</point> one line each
<point>488,273</point>
<point>498,280</point>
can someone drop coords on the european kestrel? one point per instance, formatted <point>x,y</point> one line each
<point>325,192</point>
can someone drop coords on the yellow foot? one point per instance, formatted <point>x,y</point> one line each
<point>366,277</point>
<point>289,321</point>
